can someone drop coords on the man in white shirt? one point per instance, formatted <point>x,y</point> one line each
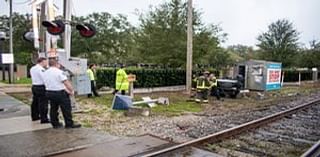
<point>58,90</point>
<point>39,106</point>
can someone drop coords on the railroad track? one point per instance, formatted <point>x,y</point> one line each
<point>232,140</point>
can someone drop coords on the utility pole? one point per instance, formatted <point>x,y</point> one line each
<point>189,48</point>
<point>11,76</point>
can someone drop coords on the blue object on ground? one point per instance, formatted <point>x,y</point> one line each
<point>121,102</point>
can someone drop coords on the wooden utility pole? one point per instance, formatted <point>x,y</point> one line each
<point>189,49</point>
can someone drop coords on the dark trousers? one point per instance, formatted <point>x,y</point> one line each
<point>93,90</point>
<point>215,92</point>
<point>60,99</point>
<point>202,94</point>
<point>123,92</point>
<point>39,106</point>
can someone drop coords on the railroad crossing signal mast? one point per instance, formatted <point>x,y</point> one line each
<point>47,30</point>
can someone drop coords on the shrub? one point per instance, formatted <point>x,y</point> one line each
<point>144,77</point>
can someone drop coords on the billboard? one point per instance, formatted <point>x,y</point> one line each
<point>273,76</point>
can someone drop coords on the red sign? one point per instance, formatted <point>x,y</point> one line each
<point>274,76</point>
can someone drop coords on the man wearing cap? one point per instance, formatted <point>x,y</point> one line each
<point>39,106</point>
<point>58,91</point>
<point>203,86</point>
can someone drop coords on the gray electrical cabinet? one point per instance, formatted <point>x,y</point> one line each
<point>81,84</point>
<point>260,75</point>
<point>78,72</point>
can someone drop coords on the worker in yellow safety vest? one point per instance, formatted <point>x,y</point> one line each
<point>214,86</point>
<point>203,86</point>
<point>91,73</point>
<point>122,83</point>
<point>193,93</point>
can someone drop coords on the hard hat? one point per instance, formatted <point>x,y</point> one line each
<point>206,72</point>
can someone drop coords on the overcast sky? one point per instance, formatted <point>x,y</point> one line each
<point>243,20</point>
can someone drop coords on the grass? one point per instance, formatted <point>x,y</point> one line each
<point>25,98</point>
<point>105,100</point>
<point>86,123</point>
<point>178,105</point>
<point>19,81</point>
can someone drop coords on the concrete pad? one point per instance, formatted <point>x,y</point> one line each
<point>12,107</point>
<point>49,141</point>
<point>20,124</point>
<point>120,148</point>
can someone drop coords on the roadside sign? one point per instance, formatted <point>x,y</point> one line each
<point>273,76</point>
<point>131,78</point>
<point>7,58</point>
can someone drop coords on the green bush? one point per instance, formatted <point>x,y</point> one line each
<point>144,77</point>
<point>23,80</point>
<point>171,77</point>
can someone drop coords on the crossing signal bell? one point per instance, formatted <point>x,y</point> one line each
<point>54,27</point>
<point>86,30</point>
<point>3,36</point>
<point>28,36</point>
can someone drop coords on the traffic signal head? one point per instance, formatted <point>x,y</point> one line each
<point>86,30</point>
<point>54,27</point>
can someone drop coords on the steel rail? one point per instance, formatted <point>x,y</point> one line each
<point>234,130</point>
<point>314,151</point>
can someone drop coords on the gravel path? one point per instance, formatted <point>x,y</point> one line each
<point>192,125</point>
<point>290,136</point>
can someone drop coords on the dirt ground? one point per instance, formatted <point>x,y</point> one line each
<point>183,119</point>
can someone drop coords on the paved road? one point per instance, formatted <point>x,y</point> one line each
<point>20,137</point>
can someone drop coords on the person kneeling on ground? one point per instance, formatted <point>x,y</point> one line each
<point>203,87</point>
<point>214,87</point>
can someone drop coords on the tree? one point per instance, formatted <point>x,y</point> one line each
<point>162,35</point>
<point>22,49</point>
<point>243,51</point>
<point>309,57</point>
<point>280,42</point>
<point>113,38</point>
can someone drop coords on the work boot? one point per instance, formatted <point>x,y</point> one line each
<point>35,119</point>
<point>57,126</point>
<point>45,121</point>
<point>73,126</point>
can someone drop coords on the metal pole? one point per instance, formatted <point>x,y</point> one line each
<point>11,45</point>
<point>189,48</point>
<point>2,65</point>
<point>43,32</point>
<point>67,32</point>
